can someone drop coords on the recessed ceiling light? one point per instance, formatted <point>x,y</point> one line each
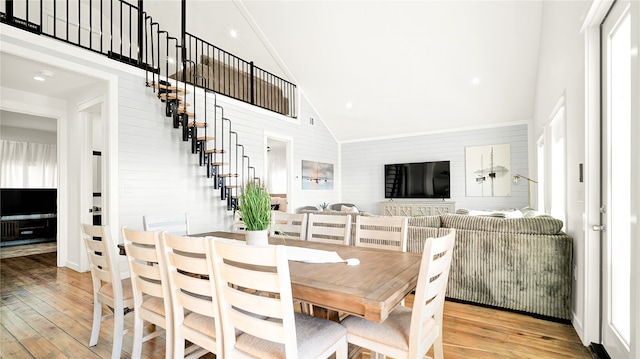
<point>475,81</point>
<point>38,78</point>
<point>349,105</point>
<point>233,33</point>
<point>46,73</point>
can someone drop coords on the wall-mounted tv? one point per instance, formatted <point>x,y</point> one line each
<point>417,180</point>
<point>22,201</point>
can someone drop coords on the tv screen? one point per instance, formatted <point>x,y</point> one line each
<point>417,180</point>
<point>21,201</point>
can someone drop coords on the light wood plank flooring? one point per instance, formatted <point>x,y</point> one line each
<point>46,312</point>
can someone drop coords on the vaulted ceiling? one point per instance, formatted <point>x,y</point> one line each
<point>403,66</point>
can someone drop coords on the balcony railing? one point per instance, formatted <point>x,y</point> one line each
<point>119,30</point>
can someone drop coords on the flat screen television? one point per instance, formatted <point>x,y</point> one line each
<point>417,180</point>
<point>22,201</point>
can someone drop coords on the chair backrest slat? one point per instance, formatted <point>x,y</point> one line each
<point>381,232</point>
<point>288,225</point>
<point>329,228</point>
<point>178,226</point>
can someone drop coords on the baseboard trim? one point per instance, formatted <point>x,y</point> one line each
<point>598,351</point>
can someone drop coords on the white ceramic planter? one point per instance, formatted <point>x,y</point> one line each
<point>257,238</point>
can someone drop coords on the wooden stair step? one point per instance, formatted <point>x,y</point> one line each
<point>226,175</point>
<point>170,96</point>
<point>181,110</point>
<point>202,138</point>
<point>168,88</point>
<point>197,124</point>
<point>214,151</point>
<point>220,164</point>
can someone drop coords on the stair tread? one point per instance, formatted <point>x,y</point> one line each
<point>202,138</point>
<point>170,96</point>
<point>165,87</point>
<point>181,110</point>
<point>228,175</point>
<point>214,151</point>
<point>197,124</point>
<point>219,164</point>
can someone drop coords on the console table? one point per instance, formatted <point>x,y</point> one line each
<point>411,208</point>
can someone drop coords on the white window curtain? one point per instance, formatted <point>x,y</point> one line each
<point>28,165</point>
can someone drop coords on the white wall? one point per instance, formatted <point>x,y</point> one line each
<point>160,176</point>
<point>561,72</point>
<point>363,164</point>
<point>20,134</point>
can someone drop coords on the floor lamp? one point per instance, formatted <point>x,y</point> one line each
<point>516,178</point>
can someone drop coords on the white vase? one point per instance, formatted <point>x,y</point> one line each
<point>257,238</point>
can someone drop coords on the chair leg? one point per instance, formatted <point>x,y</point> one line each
<point>178,346</point>
<point>438,351</point>
<point>118,329</point>
<point>169,342</point>
<point>138,329</point>
<point>342,352</point>
<point>97,319</point>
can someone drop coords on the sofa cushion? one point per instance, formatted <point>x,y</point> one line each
<point>425,221</point>
<point>535,225</point>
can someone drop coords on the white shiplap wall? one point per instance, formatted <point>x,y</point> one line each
<point>159,176</point>
<point>363,164</point>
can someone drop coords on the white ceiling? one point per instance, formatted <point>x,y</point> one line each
<point>18,72</point>
<point>405,66</point>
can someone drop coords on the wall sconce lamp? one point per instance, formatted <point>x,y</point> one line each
<point>516,179</point>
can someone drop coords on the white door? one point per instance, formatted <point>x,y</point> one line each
<point>616,181</point>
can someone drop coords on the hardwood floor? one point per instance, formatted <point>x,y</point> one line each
<point>46,312</point>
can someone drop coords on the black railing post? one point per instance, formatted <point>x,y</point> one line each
<point>141,27</point>
<point>183,41</point>
<point>9,11</point>
<point>251,84</point>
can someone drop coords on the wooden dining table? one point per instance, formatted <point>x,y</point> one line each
<point>370,290</point>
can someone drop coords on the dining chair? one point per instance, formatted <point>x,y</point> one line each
<point>381,232</point>
<point>193,296</point>
<point>108,287</point>
<point>289,225</point>
<point>174,225</point>
<point>329,228</point>
<point>150,288</point>
<point>411,332</point>
<point>239,270</point>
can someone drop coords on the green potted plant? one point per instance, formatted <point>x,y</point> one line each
<point>255,205</point>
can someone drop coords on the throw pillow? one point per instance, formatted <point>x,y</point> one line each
<point>348,209</point>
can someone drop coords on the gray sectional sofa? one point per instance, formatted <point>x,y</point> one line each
<point>522,264</point>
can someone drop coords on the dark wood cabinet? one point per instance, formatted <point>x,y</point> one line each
<point>27,229</point>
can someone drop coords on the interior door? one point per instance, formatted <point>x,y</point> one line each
<point>616,181</point>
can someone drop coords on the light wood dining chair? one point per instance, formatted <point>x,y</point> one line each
<point>283,333</point>
<point>289,225</point>
<point>381,232</point>
<point>108,287</point>
<point>178,225</point>
<point>328,228</point>
<point>150,288</point>
<point>411,332</point>
<point>193,295</point>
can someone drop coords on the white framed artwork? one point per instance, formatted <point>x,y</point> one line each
<point>488,170</point>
